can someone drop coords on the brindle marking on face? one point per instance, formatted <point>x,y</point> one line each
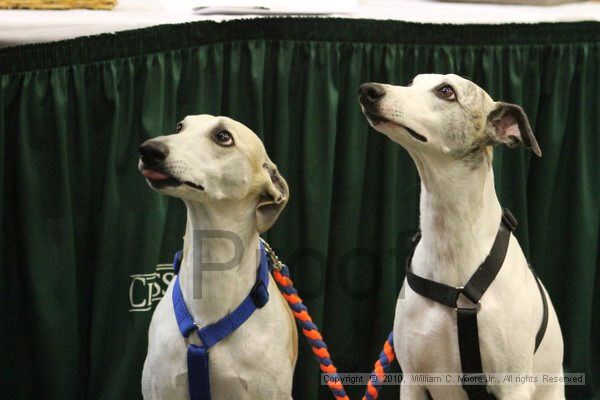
<point>470,140</point>
<point>479,151</point>
<point>459,122</point>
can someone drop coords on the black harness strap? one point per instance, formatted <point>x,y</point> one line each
<point>487,271</point>
<point>481,279</point>
<point>470,356</point>
<point>544,324</point>
<point>466,317</point>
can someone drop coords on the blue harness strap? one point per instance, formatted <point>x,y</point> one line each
<point>197,355</point>
<point>198,377</point>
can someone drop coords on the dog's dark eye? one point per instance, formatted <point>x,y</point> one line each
<point>224,138</point>
<point>178,127</point>
<point>446,92</point>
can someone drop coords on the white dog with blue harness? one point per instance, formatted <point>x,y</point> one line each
<point>222,330</point>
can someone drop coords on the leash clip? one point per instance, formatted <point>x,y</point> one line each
<point>275,262</point>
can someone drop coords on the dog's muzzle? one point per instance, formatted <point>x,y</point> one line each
<point>152,155</point>
<point>369,95</point>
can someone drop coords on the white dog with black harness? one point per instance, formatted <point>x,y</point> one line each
<point>472,305</point>
<point>222,331</point>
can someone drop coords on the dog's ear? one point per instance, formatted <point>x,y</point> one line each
<point>273,198</point>
<point>508,124</point>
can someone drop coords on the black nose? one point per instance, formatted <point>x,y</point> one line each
<point>153,152</point>
<point>370,92</point>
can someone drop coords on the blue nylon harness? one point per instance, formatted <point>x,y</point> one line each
<point>197,355</point>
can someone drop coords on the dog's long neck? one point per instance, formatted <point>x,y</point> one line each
<point>220,259</point>
<point>460,214</point>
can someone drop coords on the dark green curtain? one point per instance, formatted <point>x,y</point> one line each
<point>80,228</point>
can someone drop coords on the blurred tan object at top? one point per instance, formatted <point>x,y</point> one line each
<point>59,4</point>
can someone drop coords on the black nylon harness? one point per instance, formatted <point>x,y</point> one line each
<point>466,318</point>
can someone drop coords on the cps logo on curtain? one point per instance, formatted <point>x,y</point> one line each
<point>146,290</point>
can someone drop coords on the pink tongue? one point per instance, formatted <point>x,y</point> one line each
<point>154,175</point>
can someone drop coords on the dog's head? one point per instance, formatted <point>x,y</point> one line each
<point>215,159</point>
<point>445,114</point>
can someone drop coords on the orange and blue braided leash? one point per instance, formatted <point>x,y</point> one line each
<point>310,330</point>
<point>382,366</point>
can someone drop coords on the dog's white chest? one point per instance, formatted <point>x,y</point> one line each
<point>426,335</point>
